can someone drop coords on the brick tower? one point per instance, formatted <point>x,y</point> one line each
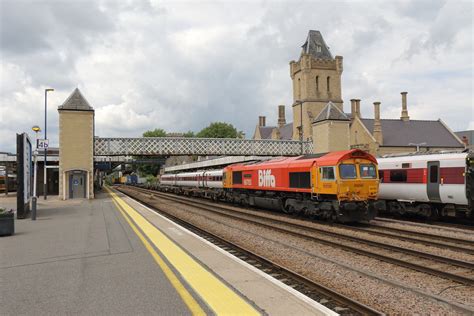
<point>316,80</point>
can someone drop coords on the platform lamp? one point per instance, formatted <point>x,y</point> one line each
<point>45,186</point>
<point>35,129</point>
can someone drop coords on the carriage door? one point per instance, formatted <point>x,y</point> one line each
<point>433,181</point>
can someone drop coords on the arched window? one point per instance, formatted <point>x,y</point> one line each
<point>317,83</point>
<point>329,88</point>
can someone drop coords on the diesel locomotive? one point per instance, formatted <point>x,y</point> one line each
<point>340,186</point>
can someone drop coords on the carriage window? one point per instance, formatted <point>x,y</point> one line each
<point>327,173</point>
<point>237,177</point>
<point>367,171</point>
<point>347,171</point>
<point>398,176</point>
<point>433,174</point>
<point>381,173</point>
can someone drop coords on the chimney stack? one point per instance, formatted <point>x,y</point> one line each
<point>261,121</point>
<point>377,124</point>
<point>404,116</point>
<point>281,116</point>
<point>353,108</point>
<point>357,108</point>
<point>465,141</point>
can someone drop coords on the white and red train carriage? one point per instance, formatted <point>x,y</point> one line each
<point>428,184</point>
<point>187,182</point>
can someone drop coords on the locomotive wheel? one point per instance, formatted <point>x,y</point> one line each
<point>289,209</point>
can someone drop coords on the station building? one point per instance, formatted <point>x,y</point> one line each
<point>319,115</point>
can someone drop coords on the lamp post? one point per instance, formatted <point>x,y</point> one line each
<point>45,186</point>
<point>301,125</point>
<point>35,129</point>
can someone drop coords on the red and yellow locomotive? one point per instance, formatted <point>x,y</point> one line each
<point>341,186</point>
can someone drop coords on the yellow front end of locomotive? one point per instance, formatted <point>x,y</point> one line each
<point>351,180</point>
<point>357,180</point>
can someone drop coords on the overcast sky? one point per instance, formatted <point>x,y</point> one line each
<point>181,65</point>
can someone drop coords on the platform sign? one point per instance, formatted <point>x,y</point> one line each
<point>24,173</point>
<point>42,143</point>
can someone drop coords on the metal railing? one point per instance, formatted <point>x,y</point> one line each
<point>174,146</point>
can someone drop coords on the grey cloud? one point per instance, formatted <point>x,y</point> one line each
<point>180,66</point>
<point>451,18</point>
<point>31,26</point>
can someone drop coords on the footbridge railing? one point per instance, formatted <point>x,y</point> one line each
<point>175,146</point>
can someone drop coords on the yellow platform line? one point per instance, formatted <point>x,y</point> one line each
<point>187,298</point>
<point>219,297</point>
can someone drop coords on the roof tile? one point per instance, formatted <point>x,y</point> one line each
<point>402,133</point>
<point>76,101</point>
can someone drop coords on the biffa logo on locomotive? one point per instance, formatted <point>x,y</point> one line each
<point>265,178</point>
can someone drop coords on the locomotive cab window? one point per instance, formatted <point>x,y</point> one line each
<point>327,173</point>
<point>347,171</point>
<point>367,171</point>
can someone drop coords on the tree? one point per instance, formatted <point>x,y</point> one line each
<point>219,130</point>
<point>157,132</point>
<point>189,134</point>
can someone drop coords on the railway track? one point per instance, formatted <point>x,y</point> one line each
<point>324,295</point>
<point>461,225</point>
<point>412,259</point>
<point>443,242</point>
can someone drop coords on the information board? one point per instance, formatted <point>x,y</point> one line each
<point>24,174</point>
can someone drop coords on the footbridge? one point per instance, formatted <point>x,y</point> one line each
<point>176,146</point>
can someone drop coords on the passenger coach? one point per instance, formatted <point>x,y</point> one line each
<point>429,185</point>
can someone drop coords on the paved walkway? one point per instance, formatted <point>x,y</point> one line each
<point>112,255</point>
<point>81,257</point>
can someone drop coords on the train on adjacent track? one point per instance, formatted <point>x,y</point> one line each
<point>339,186</point>
<point>345,186</point>
<point>430,185</point>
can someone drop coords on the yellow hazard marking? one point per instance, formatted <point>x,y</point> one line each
<point>219,297</point>
<point>185,295</point>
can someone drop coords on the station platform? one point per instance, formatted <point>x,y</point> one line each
<point>112,255</point>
